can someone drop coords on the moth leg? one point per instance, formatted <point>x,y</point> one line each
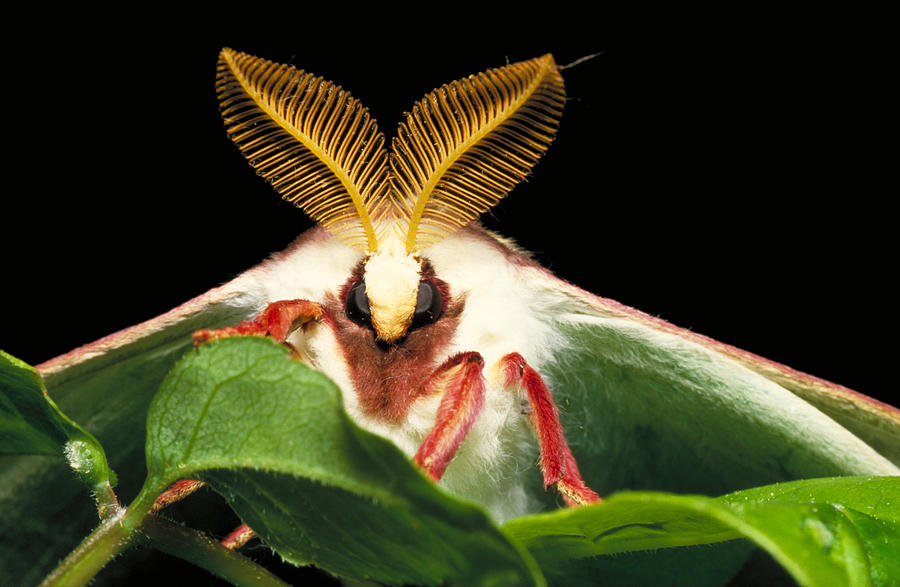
<point>238,537</point>
<point>557,463</point>
<point>181,489</point>
<point>176,492</point>
<point>460,382</point>
<point>278,320</point>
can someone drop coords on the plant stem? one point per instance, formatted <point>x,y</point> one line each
<point>207,553</point>
<point>112,536</point>
<point>105,542</point>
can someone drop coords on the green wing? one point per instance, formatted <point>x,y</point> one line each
<point>647,405</point>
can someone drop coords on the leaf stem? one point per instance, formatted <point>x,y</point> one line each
<point>107,502</point>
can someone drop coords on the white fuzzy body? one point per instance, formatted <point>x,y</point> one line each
<point>498,458</point>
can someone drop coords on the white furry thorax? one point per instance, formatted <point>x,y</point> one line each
<point>502,314</point>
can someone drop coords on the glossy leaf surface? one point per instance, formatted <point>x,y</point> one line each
<point>838,531</point>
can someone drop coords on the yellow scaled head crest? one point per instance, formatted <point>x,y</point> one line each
<point>460,150</point>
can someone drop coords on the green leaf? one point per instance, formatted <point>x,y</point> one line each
<point>854,521</point>
<point>31,423</point>
<point>840,531</point>
<point>271,435</point>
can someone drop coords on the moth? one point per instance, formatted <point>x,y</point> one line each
<point>498,379</point>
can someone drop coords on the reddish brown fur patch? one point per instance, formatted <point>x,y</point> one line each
<point>388,379</point>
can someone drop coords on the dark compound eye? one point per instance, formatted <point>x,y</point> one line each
<point>428,304</point>
<point>358,305</point>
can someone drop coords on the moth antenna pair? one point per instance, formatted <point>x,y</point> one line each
<point>461,148</point>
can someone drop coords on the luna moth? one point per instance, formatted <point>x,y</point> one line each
<point>399,280</point>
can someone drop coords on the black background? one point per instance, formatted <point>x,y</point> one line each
<point>728,177</point>
<point>726,172</point>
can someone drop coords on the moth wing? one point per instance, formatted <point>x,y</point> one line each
<point>648,405</point>
<point>107,386</point>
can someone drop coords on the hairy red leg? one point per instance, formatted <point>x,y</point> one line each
<point>461,385</point>
<point>176,492</point>
<point>238,537</point>
<point>278,320</point>
<point>557,463</point>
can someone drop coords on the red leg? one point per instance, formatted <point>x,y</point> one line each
<point>278,320</point>
<point>181,489</point>
<point>461,385</point>
<point>238,537</point>
<point>176,492</point>
<point>557,463</point>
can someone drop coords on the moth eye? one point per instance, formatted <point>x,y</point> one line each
<point>358,305</point>
<point>428,304</point>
